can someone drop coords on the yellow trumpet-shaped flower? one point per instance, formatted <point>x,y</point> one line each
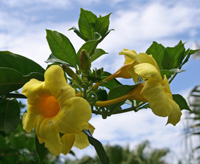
<point>156,90</point>
<point>57,116</point>
<point>130,55</point>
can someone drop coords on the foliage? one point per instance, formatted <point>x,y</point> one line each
<point>19,147</point>
<point>142,154</point>
<point>16,70</point>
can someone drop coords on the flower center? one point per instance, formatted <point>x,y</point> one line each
<point>48,106</point>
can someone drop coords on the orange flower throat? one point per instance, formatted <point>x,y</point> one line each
<point>48,106</point>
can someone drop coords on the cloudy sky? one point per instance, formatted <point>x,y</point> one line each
<point>137,24</point>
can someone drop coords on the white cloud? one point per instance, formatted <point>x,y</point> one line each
<point>137,27</point>
<point>47,3</point>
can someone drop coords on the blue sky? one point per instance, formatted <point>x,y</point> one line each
<point>137,24</point>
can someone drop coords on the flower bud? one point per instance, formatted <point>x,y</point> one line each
<point>69,71</point>
<point>85,62</point>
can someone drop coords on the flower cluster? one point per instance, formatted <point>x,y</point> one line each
<point>58,116</point>
<point>156,88</point>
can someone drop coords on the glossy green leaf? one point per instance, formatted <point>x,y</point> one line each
<point>98,52</point>
<point>181,102</point>
<point>118,92</point>
<point>98,147</point>
<point>111,83</point>
<point>102,25</point>
<point>101,94</point>
<point>89,46</point>
<point>61,47</point>
<point>20,63</point>
<point>158,52</point>
<point>187,55</point>
<point>170,72</point>
<point>53,59</point>
<point>41,150</point>
<point>9,115</point>
<point>86,24</point>
<point>12,80</point>
<point>170,57</point>
<point>174,56</point>
<point>78,32</point>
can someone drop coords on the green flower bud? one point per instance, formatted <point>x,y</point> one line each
<point>85,61</point>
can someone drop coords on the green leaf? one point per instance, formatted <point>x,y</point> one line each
<point>20,63</point>
<point>16,70</point>
<point>97,54</point>
<point>9,115</point>
<point>89,47</point>
<point>102,25</point>
<point>98,147</point>
<point>111,83</point>
<point>158,52</point>
<point>101,94</point>
<point>61,47</point>
<point>170,72</point>
<point>174,56</point>
<point>86,24</point>
<point>118,92</point>
<point>53,59</point>
<point>77,32</point>
<point>3,143</point>
<point>12,80</point>
<point>41,150</point>
<point>187,55</point>
<point>181,102</point>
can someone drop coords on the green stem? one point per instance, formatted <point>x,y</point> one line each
<point>15,95</point>
<point>174,75</point>
<point>186,58</point>
<point>122,111</point>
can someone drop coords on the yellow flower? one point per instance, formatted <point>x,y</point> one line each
<point>156,90</point>
<point>57,116</point>
<point>130,55</point>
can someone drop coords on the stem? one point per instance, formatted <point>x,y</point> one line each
<point>174,75</point>
<point>15,95</point>
<point>121,111</point>
<point>112,101</point>
<point>186,58</point>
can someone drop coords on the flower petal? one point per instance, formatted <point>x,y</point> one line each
<point>28,121</point>
<point>33,90</point>
<point>175,115</point>
<point>135,94</point>
<point>81,140</point>
<point>67,141</point>
<point>46,131</point>
<point>56,83</point>
<point>144,58</point>
<point>74,116</point>
<point>132,72</point>
<point>159,102</point>
<point>166,87</point>
<point>123,72</point>
<point>147,71</point>
<point>130,55</point>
